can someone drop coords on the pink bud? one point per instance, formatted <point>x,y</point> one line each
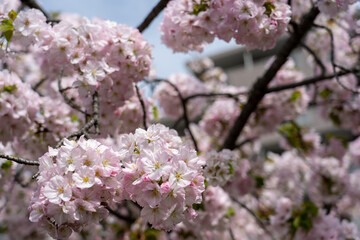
<point>165,187</point>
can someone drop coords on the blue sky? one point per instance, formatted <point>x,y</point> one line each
<point>132,12</point>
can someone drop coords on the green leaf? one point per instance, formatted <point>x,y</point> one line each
<point>295,96</point>
<point>6,25</point>
<point>311,208</point>
<point>74,118</point>
<point>12,15</point>
<point>6,165</point>
<point>155,113</point>
<point>10,88</point>
<point>292,132</point>
<point>302,218</point>
<point>231,169</point>
<point>8,35</point>
<point>326,93</point>
<point>296,223</point>
<point>7,29</point>
<point>335,118</point>
<point>230,212</point>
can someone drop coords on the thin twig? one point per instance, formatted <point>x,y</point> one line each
<point>257,219</point>
<point>153,14</point>
<point>66,98</point>
<point>245,141</point>
<point>231,234</point>
<point>20,160</point>
<point>183,104</point>
<point>209,95</point>
<point>316,58</point>
<point>142,106</point>
<point>93,122</point>
<point>38,84</point>
<point>120,216</point>
<point>332,58</point>
<point>258,90</point>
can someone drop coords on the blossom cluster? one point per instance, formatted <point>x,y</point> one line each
<point>332,7</point>
<point>220,167</point>
<point>323,225</point>
<point>74,184</point>
<point>215,213</point>
<point>127,117</point>
<point>19,105</point>
<point>162,175</point>
<point>190,25</point>
<point>103,56</point>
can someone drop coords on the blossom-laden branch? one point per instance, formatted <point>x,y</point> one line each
<point>93,122</point>
<point>258,90</point>
<point>20,160</point>
<point>183,104</point>
<point>142,106</point>
<point>153,14</point>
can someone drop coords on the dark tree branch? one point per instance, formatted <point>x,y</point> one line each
<point>142,106</point>
<point>20,160</point>
<point>153,14</point>
<point>183,104</point>
<point>258,90</point>
<point>309,81</point>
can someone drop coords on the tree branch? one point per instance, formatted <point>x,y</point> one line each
<point>153,14</point>
<point>258,90</point>
<point>309,81</point>
<point>20,160</point>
